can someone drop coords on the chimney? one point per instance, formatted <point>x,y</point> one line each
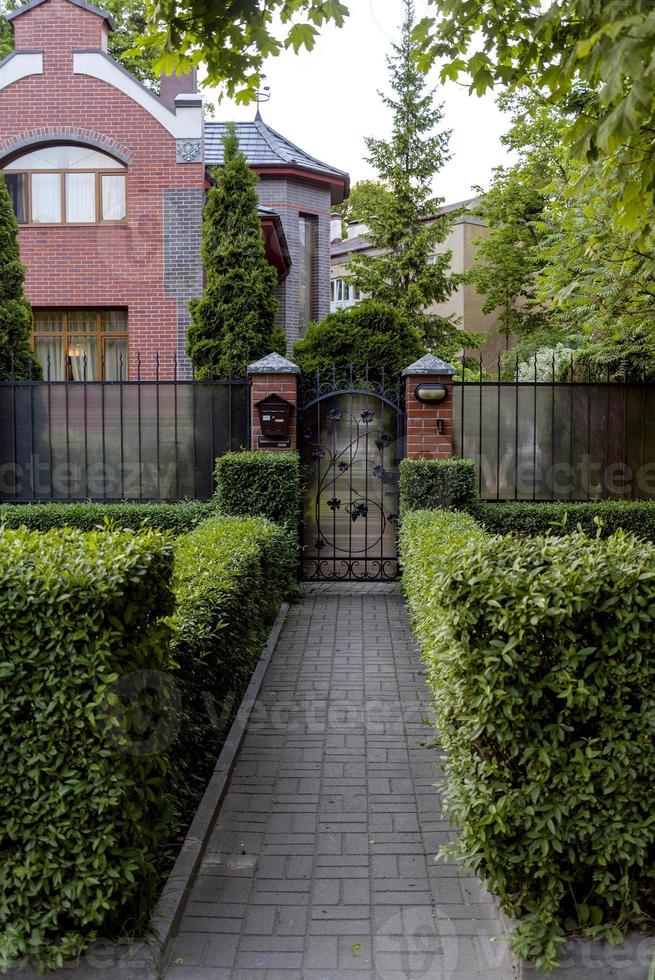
<point>172,85</point>
<point>336,233</point>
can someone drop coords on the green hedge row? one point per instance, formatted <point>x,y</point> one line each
<point>112,717</point>
<point>178,518</point>
<point>231,575</point>
<point>541,656</point>
<point>81,813</point>
<point>603,516</point>
<point>256,484</point>
<point>430,484</point>
<point>451,484</point>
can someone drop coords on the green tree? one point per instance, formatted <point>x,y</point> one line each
<point>232,39</point>
<point>131,23</point>
<point>508,257</point>
<point>371,334</point>
<point>406,271</point>
<point>16,357</point>
<point>599,284</point>
<point>366,197</point>
<point>233,323</point>
<point>606,45</point>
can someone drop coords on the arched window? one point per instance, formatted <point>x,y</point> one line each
<point>73,185</point>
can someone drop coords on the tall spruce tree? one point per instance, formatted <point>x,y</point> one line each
<point>233,323</point>
<point>16,357</point>
<point>406,273</point>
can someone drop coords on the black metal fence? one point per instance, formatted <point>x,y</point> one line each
<point>125,440</point>
<point>559,439</point>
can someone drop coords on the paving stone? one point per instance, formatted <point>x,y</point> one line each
<point>334,803</point>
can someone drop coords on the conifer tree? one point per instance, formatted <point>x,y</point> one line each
<point>406,273</point>
<point>233,323</point>
<point>16,357</point>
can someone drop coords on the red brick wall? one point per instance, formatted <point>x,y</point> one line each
<point>118,266</point>
<point>284,385</point>
<point>424,441</point>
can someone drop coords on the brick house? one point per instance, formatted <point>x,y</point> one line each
<point>108,181</point>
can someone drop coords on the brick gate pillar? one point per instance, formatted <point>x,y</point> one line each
<point>273,375</point>
<point>429,413</point>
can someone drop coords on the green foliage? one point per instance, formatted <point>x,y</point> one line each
<point>253,484</point>
<point>366,197</point>
<point>551,48</point>
<point>231,574</point>
<point>528,519</point>
<point>16,357</point>
<point>508,257</point>
<point>178,518</point>
<point>370,333</point>
<point>82,808</point>
<point>232,40</point>
<point>233,324</point>
<point>131,23</point>
<point>541,658</point>
<point>432,484</point>
<point>407,272</point>
<point>598,280</point>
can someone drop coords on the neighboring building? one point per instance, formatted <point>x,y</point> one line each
<point>109,180</point>
<point>466,303</point>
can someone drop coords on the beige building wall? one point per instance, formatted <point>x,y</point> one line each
<point>465,303</point>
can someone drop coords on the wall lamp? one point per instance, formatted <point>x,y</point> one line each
<point>431,392</point>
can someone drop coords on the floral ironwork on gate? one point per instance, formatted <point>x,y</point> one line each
<point>352,434</point>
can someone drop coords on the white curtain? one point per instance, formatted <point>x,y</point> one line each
<point>115,359</point>
<point>46,198</point>
<point>51,354</point>
<point>113,197</point>
<point>83,354</point>
<point>81,197</point>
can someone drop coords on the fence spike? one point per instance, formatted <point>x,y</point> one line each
<point>48,367</point>
<point>138,365</point>
<point>517,367</point>
<point>499,367</point>
<point>553,371</point>
<point>535,368</point>
<point>174,365</point>
<point>480,367</point>
<point>84,366</point>
<point>120,366</point>
<point>157,365</point>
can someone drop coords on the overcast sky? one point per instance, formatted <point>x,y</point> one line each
<point>326,101</point>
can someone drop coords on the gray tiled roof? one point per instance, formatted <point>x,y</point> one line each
<point>263,147</point>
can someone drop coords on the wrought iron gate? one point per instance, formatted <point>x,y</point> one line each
<point>352,439</point>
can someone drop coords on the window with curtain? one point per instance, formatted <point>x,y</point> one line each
<point>308,226</point>
<point>82,345</point>
<point>67,184</point>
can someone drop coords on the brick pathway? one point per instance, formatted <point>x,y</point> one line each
<point>321,864</point>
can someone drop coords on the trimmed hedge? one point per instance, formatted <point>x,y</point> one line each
<point>231,575</point>
<point>252,484</point>
<point>178,518</point>
<point>541,657</point>
<point>82,811</point>
<point>435,484</point>
<point>603,516</point>
<point>432,484</point>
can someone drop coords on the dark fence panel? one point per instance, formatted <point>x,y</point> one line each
<point>558,440</point>
<point>139,440</point>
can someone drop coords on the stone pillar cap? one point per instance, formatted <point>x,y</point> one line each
<point>429,364</point>
<point>273,364</point>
